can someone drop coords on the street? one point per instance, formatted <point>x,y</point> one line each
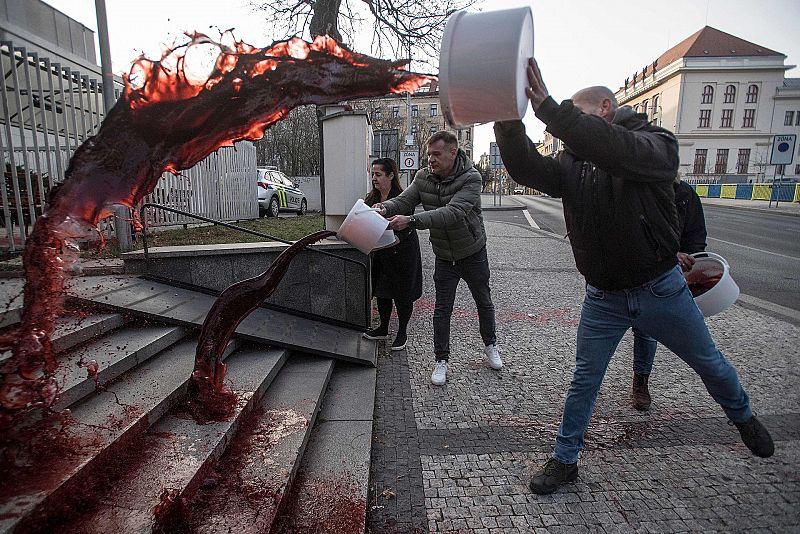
<point>762,248</point>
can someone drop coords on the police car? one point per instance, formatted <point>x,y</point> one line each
<point>277,193</point>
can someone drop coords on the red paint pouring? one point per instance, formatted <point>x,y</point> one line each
<point>168,120</point>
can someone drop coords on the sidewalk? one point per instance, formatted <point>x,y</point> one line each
<point>458,458</point>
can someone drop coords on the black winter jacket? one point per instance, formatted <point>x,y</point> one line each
<point>615,182</point>
<point>692,223</point>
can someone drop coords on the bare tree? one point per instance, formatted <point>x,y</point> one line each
<point>396,26</point>
<point>292,144</point>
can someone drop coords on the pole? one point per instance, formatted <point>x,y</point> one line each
<point>122,214</point>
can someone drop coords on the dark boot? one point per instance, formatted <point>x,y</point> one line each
<point>756,437</point>
<point>552,475</point>
<point>641,395</point>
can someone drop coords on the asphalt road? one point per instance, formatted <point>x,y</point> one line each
<point>763,249</point>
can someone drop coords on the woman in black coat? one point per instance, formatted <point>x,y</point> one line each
<point>397,270</point>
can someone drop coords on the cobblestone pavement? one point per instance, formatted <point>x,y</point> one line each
<point>458,458</point>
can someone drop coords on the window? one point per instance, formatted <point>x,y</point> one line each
<point>797,121</point>
<point>705,118</point>
<point>459,135</point>
<point>384,143</point>
<point>727,118</point>
<point>700,155</point>
<point>743,161</point>
<point>749,118</point>
<point>395,111</point>
<point>721,166</point>
<point>413,128</point>
<point>434,110</point>
<point>376,114</point>
<point>708,95</point>
<point>468,134</point>
<point>752,94</point>
<point>789,118</point>
<point>797,169</point>
<point>415,111</point>
<point>469,154</point>
<point>730,94</point>
<point>433,130</point>
<point>645,104</point>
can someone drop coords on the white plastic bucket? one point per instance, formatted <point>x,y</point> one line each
<point>711,283</point>
<point>482,66</point>
<point>365,228</point>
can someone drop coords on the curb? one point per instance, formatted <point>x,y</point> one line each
<point>85,271</point>
<point>747,208</point>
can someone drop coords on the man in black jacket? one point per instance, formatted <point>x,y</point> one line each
<point>615,181</point>
<point>692,231</point>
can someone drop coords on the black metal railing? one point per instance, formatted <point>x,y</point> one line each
<point>361,265</point>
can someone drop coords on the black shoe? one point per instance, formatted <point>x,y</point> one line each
<point>552,475</point>
<point>376,333</point>
<point>756,437</point>
<point>640,394</point>
<point>399,342</point>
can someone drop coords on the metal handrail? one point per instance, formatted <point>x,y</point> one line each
<point>367,299</point>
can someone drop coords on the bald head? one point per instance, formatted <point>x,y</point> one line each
<point>598,101</point>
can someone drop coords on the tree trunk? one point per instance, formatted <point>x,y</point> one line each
<point>324,21</point>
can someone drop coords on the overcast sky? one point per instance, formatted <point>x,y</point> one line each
<point>577,42</point>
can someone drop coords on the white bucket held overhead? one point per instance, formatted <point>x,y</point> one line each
<point>711,283</point>
<point>365,228</point>
<point>482,66</point>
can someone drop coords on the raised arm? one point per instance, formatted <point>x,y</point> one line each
<point>524,163</point>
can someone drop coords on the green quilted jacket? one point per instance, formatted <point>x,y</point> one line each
<point>452,209</point>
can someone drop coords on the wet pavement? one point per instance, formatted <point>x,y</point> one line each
<point>458,458</point>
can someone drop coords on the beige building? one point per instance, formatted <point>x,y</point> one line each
<point>725,98</point>
<point>390,125</point>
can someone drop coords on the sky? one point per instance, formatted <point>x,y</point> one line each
<point>577,43</point>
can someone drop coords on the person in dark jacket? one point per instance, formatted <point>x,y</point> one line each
<point>692,231</point>
<point>449,189</point>
<point>396,270</point>
<point>615,181</point>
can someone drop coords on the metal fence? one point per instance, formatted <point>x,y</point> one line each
<point>49,110</point>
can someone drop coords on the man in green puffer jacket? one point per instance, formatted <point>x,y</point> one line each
<point>449,190</point>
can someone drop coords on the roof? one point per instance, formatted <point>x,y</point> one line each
<point>794,83</point>
<point>708,42</point>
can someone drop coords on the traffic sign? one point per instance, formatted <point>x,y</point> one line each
<point>409,160</point>
<point>783,149</point>
<point>495,162</point>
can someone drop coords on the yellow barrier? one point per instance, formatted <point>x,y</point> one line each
<point>728,191</point>
<point>762,191</point>
<point>797,192</point>
<point>702,190</point>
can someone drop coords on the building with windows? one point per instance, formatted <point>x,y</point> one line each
<point>390,125</point>
<point>725,98</point>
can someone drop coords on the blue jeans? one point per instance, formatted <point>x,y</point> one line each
<point>644,352</point>
<point>474,270</point>
<point>664,308</point>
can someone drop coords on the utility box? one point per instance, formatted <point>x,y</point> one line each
<point>346,141</point>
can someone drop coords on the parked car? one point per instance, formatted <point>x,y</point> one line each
<point>519,191</point>
<point>277,193</point>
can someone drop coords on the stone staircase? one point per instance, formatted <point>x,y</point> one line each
<point>123,454</point>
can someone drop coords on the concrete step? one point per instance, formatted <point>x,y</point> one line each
<point>330,491</point>
<point>72,330</point>
<point>177,453</point>
<point>115,354</point>
<point>10,301</point>
<point>103,426</point>
<point>251,481</point>
<point>185,307</point>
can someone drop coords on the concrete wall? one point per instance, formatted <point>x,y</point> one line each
<point>314,285</point>
<point>310,186</point>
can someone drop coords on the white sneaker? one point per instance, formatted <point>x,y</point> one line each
<point>493,356</point>
<point>439,376</point>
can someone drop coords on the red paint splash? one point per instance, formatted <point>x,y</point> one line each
<point>168,120</point>
<point>215,401</point>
